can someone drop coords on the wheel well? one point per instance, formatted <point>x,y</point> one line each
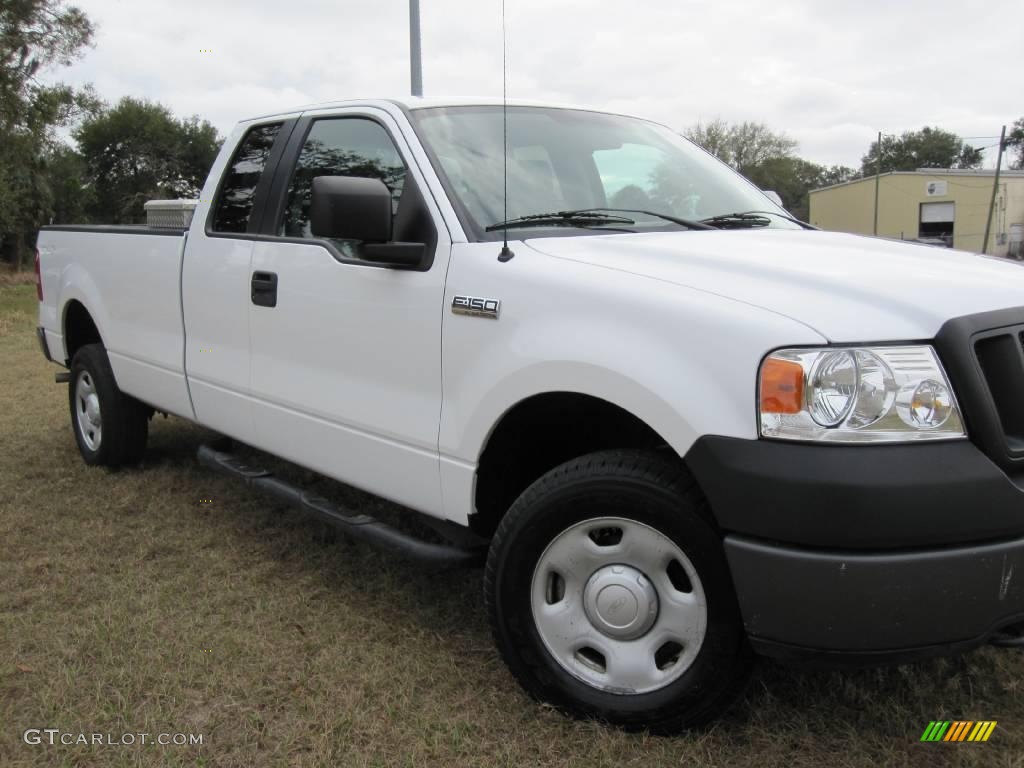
<point>540,433</point>
<point>79,328</point>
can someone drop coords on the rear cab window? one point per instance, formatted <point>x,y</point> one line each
<point>237,194</point>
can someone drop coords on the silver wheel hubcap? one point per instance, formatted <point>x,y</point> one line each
<point>87,411</point>
<point>620,602</point>
<point>619,605</point>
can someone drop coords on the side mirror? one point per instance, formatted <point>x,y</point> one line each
<point>359,208</point>
<point>351,208</point>
<point>774,197</point>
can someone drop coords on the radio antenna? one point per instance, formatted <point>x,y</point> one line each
<point>506,252</point>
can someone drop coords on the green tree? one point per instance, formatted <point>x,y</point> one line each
<point>764,156</point>
<point>138,151</point>
<point>71,194</point>
<point>1015,143</point>
<point>836,174</point>
<point>927,148</point>
<point>35,36</point>
<point>791,177</point>
<point>794,178</point>
<point>754,143</point>
<point>713,137</point>
<point>741,145</point>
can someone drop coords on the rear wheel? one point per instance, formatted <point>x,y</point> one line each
<point>610,598</point>
<point>110,427</point>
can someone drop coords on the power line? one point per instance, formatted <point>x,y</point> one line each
<point>964,138</point>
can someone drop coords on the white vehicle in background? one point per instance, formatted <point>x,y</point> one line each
<point>682,425</point>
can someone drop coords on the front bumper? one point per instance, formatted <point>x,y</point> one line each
<point>874,553</point>
<point>875,607</point>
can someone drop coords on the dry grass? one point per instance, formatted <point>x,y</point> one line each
<point>10,277</point>
<point>127,605</point>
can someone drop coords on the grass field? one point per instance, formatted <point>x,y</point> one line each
<point>129,604</point>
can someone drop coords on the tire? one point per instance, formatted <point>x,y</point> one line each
<point>677,665</point>
<point>110,427</point>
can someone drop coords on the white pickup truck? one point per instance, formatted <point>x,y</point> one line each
<point>687,425</point>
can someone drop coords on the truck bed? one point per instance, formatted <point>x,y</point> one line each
<point>130,279</point>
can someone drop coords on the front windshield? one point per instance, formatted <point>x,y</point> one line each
<point>567,160</point>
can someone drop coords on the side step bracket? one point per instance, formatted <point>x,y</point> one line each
<point>357,526</point>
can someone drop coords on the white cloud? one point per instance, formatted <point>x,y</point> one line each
<point>829,74</point>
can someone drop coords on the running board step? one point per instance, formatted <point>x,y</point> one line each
<point>358,526</point>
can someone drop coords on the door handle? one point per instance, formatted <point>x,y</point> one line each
<point>264,289</point>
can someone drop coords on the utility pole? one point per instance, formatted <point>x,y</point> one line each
<point>995,188</point>
<point>415,63</point>
<point>878,178</point>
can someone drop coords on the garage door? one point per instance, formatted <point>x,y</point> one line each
<point>932,213</point>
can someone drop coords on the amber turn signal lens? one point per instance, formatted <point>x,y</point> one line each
<point>782,386</point>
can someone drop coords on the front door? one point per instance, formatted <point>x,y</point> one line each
<point>346,364</point>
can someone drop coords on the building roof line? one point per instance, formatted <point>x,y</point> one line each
<point>934,172</point>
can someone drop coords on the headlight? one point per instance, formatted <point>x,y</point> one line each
<point>857,394</point>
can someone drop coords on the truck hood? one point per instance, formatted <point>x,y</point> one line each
<point>849,288</point>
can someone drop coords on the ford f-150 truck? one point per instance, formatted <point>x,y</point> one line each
<point>688,426</point>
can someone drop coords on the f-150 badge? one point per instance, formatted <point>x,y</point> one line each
<point>476,306</point>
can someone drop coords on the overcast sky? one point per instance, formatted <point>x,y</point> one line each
<point>830,73</point>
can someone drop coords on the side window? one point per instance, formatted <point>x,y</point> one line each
<point>344,146</point>
<point>238,188</point>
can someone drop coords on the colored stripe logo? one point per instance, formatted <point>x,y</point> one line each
<point>958,730</point>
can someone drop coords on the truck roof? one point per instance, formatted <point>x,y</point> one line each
<point>416,102</point>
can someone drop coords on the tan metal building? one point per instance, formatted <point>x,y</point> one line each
<point>943,207</point>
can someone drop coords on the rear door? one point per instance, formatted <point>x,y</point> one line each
<point>215,281</point>
<point>346,364</point>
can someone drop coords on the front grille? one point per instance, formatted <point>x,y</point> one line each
<point>984,358</point>
<point>1000,354</point>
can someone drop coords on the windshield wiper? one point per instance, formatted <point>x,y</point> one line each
<point>688,223</point>
<point>738,220</point>
<point>748,219</point>
<point>560,219</point>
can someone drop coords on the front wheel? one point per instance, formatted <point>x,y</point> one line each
<point>609,595</point>
<point>110,427</point>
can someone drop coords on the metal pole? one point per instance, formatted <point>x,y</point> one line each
<point>878,177</point>
<point>415,63</point>
<point>995,187</point>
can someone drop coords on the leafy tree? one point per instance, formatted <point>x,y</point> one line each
<point>927,148</point>
<point>792,177</point>
<point>754,143</point>
<point>836,174</point>
<point>35,35</point>
<point>713,137</point>
<point>762,155</point>
<point>1015,143</point>
<point>71,194</point>
<point>741,145</point>
<point>138,151</point>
